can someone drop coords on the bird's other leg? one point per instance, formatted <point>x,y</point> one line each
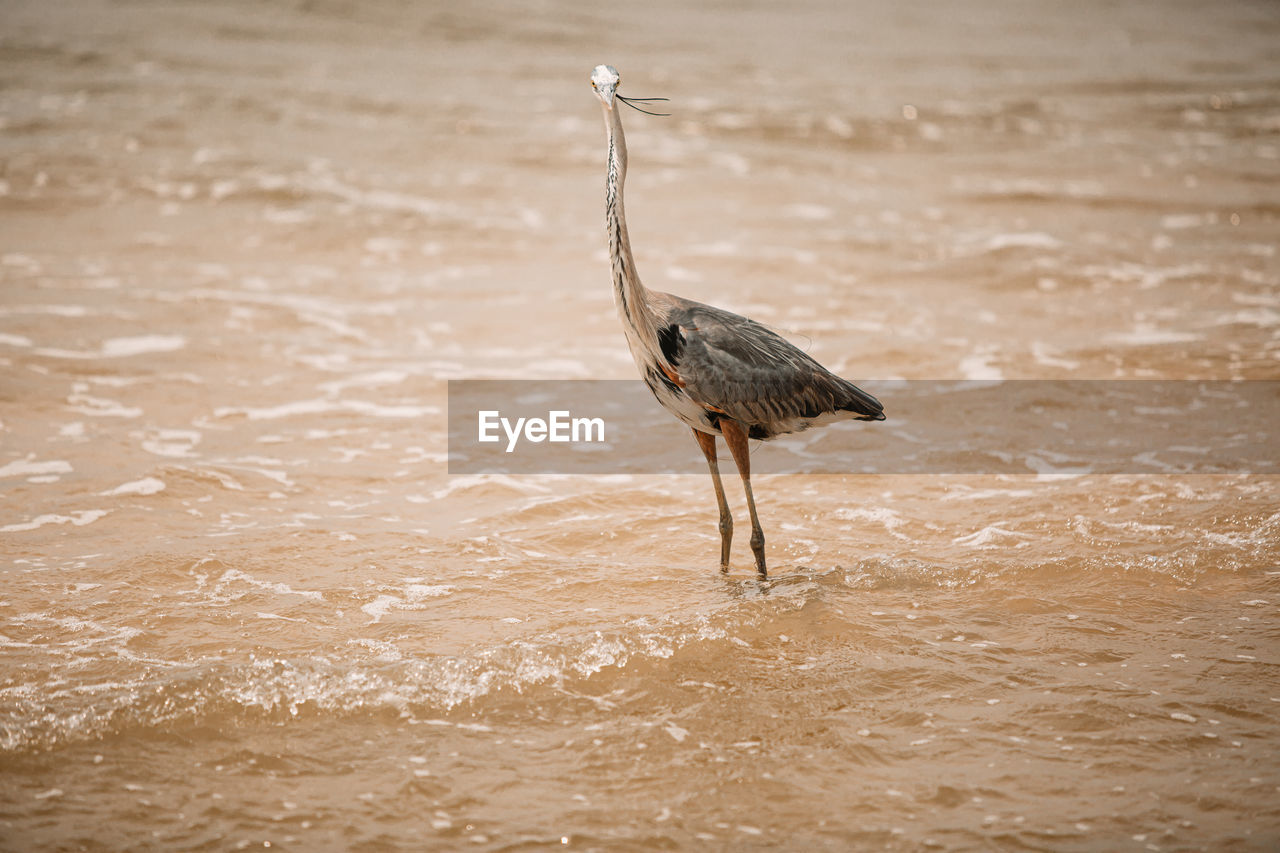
<point>707,442</point>
<point>736,438</point>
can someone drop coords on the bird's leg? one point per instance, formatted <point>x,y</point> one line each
<point>707,442</point>
<point>736,438</point>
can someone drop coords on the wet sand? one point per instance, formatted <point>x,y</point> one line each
<point>245,247</point>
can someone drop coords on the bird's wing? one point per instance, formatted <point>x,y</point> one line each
<point>736,366</point>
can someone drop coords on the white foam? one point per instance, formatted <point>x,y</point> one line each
<point>281,588</point>
<point>1144,334</point>
<point>415,594</point>
<point>967,494</point>
<point>468,481</point>
<point>321,406</point>
<point>172,443</point>
<point>1043,355</point>
<point>1182,221</point>
<point>978,366</point>
<point>14,340</point>
<point>79,519</point>
<point>140,344</point>
<point>225,480</point>
<point>121,347</point>
<point>1264,317</point>
<point>17,259</point>
<point>1026,240</point>
<point>145,486</point>
<point>882,515</point>
<point>29,467</point>
<point>279,617</point>
<point>366,380</point>
<point>53,310</point>
<point>380,606</point>
<point>1046,465</point>
<point>988,537</point>
<point>101,407</point>
<point>272,474</point>
<point>419,591</point>
<point>384,199</point>
<point>383,650</point>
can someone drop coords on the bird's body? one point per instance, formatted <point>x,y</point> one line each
<point>720,373</point>
<point>726,365</point>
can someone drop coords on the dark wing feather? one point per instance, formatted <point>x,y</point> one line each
<point>754,375</point>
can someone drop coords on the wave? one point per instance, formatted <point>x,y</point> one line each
<point>104,679</point>
<point>366,677</point>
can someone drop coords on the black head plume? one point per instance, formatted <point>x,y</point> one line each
<point>631,102</point>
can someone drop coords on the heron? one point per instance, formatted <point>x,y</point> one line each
<point>720,373</point>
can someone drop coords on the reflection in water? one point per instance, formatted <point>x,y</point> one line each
<point>245,249</point>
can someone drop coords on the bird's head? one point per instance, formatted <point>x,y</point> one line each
<point>605,82</point>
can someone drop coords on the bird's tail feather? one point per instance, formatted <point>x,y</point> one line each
<point>862,404</point>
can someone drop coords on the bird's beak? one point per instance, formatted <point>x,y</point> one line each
<point>607,96</point>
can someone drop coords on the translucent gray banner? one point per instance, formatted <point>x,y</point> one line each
<point>933,427</point>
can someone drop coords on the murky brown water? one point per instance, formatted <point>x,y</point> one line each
<point>245,245</point>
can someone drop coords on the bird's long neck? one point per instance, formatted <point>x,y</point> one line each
<point>629,294</point>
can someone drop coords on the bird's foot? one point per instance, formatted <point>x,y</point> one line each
<point>757,548</point>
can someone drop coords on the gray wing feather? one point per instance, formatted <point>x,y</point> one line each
<point>754,375</point>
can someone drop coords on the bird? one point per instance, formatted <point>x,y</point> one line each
<point>720,373</point>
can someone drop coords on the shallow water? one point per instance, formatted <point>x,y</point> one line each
<point>244,248</point>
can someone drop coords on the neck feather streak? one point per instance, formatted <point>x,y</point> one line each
<point>629,294</point>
